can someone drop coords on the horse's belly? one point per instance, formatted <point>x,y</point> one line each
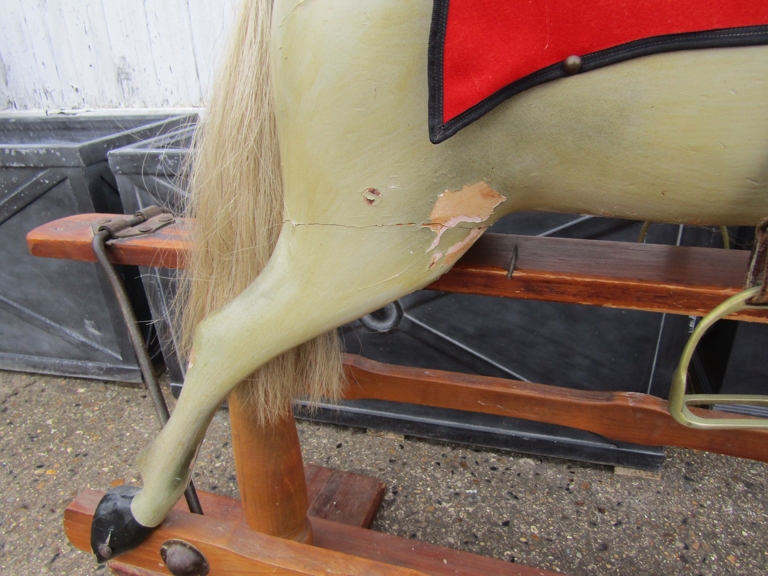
<point>681,136</point>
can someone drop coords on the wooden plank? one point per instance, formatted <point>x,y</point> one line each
<point>169,28</point>
<point>230,546</point>
<point>344,537</point>
<point>346,498</point>
<point>227,543</point>
<point>623,416</point>
<point>70,239</point>
<point>28,55</point>
<point>651,277</point>
<point>343,497</point>
<point>210,31</point>
<point>317,477</point>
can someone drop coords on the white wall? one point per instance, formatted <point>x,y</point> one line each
<point>66,54</point>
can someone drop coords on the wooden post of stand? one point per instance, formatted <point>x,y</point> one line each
<point>270,474</point>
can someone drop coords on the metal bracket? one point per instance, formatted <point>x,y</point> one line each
<point>147,227</point>
<point>143,222</point>
<point>679,400</point>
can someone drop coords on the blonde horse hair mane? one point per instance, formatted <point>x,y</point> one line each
<point>236,199</point>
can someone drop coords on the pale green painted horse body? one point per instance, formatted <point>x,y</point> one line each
<point>375,211</point>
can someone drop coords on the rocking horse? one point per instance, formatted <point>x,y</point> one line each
<point>354,151</point>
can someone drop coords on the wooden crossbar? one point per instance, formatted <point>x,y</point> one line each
<point>651,277</point>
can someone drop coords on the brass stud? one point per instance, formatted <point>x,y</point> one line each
<point>572,65</point>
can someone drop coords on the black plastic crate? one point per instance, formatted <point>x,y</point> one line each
<point>56,316</point>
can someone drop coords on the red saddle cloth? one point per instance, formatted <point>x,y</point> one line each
<point>481,52</point>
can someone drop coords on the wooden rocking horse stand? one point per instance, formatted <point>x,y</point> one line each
<point>286,507</point>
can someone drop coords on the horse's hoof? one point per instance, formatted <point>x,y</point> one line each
<point>114,529</point>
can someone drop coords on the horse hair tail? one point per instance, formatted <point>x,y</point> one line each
<point>236,197</point>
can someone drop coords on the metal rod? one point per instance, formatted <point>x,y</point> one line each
<point>565,226</point>
<point>139,347</point>
<point>643,232</point>
<point>466,348</point>
<point>726,237</point>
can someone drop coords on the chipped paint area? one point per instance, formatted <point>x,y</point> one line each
<point>435,259</point>
<point>456,251</point>
<point>473,203</point>
<point>372,196</point>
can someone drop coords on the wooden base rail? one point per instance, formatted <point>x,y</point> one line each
<point>231,547</point>
<point>651,277</point>
<point>622,416</point>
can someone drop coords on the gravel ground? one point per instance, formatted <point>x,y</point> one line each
<point>706,514</point>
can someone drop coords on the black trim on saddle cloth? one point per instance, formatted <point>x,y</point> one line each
<point>439,131</point>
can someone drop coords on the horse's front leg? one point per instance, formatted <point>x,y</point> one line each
<point>318,278</point>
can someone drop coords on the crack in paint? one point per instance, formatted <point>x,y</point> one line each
<point>297,224</point>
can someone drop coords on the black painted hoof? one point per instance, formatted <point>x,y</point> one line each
<point>114,529</point>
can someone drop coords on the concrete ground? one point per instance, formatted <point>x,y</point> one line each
<point>706,514</point>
